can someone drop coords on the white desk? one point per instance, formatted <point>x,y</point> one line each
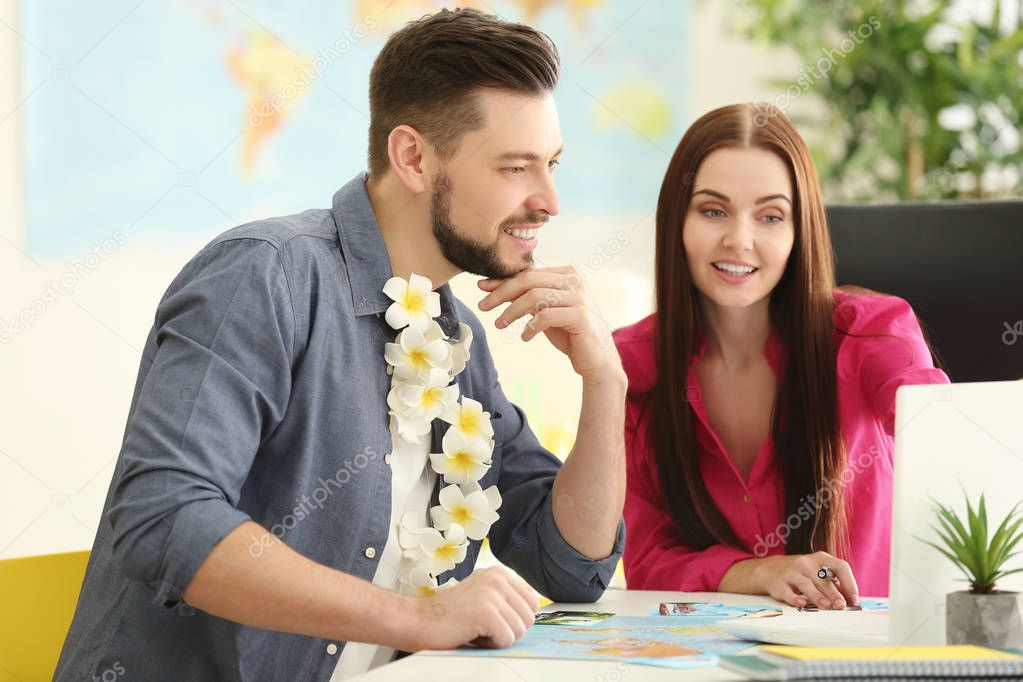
<point>505,669</point>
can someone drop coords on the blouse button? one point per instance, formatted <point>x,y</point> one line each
<point>387,458</point>
<point>370,552</point>
<point>746,498</point>
<point>332,648</point>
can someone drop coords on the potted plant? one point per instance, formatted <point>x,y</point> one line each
<point>981,615</point>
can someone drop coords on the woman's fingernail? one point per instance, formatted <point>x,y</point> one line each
<point>839,604</point>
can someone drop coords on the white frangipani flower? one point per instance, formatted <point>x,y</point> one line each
<point>470,420</point>
<point>403,421</point>
<point>413,355</point>
<point>468,506</point>
<point>421,584</point>
<point>435,333</point>
<point>416,405</point>
<point>422,363</point>
<point>463,460</point>
<point>415,303</point>
<point>460,349</point>
<point>408,538</point>
<point>439,553</point>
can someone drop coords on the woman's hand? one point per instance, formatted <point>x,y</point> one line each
<point>793,579</point>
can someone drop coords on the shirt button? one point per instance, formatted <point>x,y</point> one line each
<point>332,648</point>
<point>746,498</point>
<point>387,458</point>
<point>370,552</point>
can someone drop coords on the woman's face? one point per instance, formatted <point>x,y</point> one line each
<point>739,228</point>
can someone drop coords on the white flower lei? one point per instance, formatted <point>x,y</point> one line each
<point>423,362</point>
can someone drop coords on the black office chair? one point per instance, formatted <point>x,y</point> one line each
<point>959,264</point>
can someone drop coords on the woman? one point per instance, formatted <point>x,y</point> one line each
<point>761,407</point>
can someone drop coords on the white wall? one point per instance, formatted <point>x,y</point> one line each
<point>68,381</point>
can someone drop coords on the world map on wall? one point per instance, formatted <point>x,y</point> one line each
<point>180,118</point>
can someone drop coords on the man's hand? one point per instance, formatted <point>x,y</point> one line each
<point>491,608</point>
<point>592,479</point>
<point>563,309</point>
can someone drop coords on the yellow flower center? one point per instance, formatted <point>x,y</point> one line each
<point>462,460</point>
<point>426,591</point>
<point>469,422</point>
<point>417,358</point>
<point>431,397</point>
<point>447,551</point>
<point>461,515</point>
<point>414,301</point>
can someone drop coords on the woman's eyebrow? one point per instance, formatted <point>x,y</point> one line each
<point>724,198</point>
<point>711,192</point>
<point>774,196</point>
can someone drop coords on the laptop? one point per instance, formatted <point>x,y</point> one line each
<point>947,438</point>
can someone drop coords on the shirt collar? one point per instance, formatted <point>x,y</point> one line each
<point>366,258</point>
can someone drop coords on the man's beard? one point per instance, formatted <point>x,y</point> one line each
<point>465,253</point>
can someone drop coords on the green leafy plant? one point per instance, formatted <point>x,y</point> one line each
<point>967,546</point>
<point>907,68</point>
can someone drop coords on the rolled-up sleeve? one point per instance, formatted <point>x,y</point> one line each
<point>218,382</point>
<point>526,537</point>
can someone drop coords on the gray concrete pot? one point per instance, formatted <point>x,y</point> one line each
<point>993,620</point>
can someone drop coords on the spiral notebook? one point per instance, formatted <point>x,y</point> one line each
<point>806,663</point>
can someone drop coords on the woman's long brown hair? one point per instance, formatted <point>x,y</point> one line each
<point>804,423</point>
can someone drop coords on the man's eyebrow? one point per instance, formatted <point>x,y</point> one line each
<point>526,156</point>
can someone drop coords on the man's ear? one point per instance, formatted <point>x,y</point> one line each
<point>405,150</point>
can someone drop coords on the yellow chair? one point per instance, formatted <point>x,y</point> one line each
<point>38,595</point>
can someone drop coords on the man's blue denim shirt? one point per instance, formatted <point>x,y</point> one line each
<point>261,395</point>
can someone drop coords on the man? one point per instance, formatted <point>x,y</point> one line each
<point>254,527</point>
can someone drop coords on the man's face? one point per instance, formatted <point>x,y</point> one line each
<point>490,200</point>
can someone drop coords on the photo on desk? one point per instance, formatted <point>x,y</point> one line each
<point>575,618</point>
<point>716,610</point>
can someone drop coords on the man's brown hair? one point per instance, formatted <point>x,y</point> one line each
<point>429,73</point>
